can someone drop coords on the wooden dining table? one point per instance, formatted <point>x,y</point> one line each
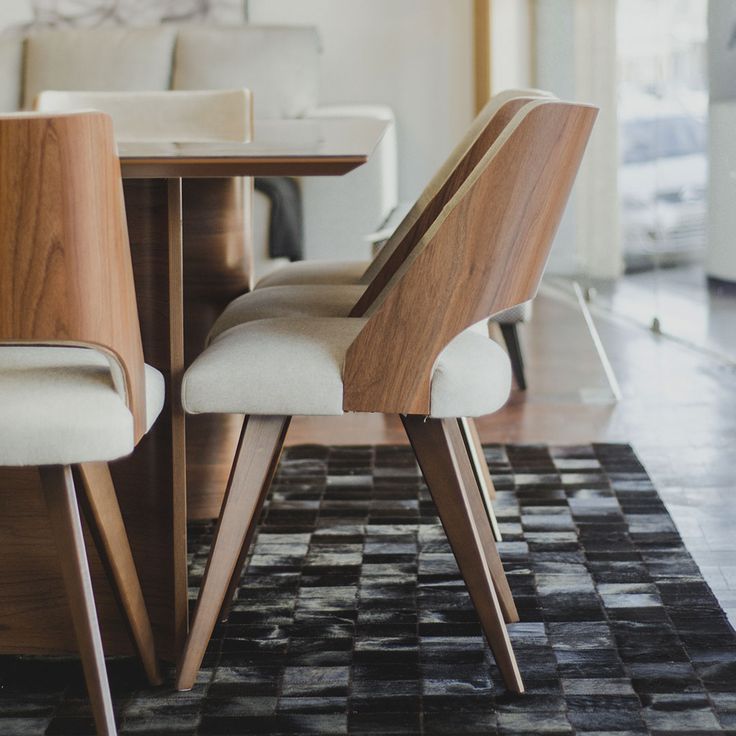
<point>189,219</point>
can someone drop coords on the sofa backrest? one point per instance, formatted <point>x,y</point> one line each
<point>114,59</point>
<point>279,64</point>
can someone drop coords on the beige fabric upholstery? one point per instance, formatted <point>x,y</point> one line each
<point>294,367</point>
<point>112,59</point>
<point>315,272</point>
<point>292,273</point>
<point>280,65</point>
<point>59,406</point>
<point>183,117</point>
<point>321,300</point>
<point>11,66</point>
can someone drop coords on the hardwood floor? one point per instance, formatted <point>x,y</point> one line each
<point>678,411</point>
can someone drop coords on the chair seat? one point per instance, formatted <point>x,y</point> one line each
<point>315,272</point>
<point>293,366</point>
<point>319,300</point>
<point>344,273</point>
<point>59,406</point>
<point>303,300</point>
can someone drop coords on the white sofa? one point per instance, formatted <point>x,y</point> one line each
<point>279,64</point>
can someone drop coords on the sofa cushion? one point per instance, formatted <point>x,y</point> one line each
<point>11,70</point>
<point>111,59</point>
<point>279,65</point>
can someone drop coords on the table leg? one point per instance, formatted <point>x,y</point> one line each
<point>151,484</point>
<point>178,427</point>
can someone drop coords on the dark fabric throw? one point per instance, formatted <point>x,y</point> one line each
<point>286,226</point>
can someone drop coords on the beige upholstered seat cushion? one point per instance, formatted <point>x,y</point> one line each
<point>315,272</point>
<point>58,406</point>
<point>279,64</point>
<point>112,59</point>
<point>291,366</point>
<point>329,300</point>
<point>318,300</point>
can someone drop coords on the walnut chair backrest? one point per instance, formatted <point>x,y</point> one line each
<point>66,276</point>
<point>484,253</point>
<point>485,128</point>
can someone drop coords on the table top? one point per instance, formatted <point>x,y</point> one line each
<point>305,147</point>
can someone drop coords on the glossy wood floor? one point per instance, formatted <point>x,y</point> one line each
<point>678,411</point>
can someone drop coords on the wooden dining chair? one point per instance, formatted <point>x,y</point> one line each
<point>339,300</point>
<point>74,389</point>
<point>410,353</point>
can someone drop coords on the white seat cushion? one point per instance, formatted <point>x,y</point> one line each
<point>289,366</point>
<point>59,406</point>
<point>315,272</point>
<point>320,300</point>
<point>328,300</point>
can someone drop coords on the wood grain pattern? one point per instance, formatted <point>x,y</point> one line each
<point>208,167</point>
<point>62,198</point>
<point>255,462</point>
<point>105,522</point>
<point>66,527</point>
<point>484,254</point>
<point>391,262</point>
<point>440,451</point>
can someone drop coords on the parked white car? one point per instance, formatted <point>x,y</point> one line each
<point>662,180</point>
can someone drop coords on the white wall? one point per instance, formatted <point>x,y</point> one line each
<point>414,55</point>
<point>576,59</point>
<point>14,11</point>
<point>511,45</point>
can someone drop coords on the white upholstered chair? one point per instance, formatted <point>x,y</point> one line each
<point>411,352</point>
<point>74,390</point>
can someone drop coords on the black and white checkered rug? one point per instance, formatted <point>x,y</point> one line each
<point>352,616</point>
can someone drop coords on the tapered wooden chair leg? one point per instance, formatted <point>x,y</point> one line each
<point>480,469</point>
<point>257,455</point>
<point>440,451</point>
<point>232,588</point>
<point>66,527</point>
<point>108,530</point>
